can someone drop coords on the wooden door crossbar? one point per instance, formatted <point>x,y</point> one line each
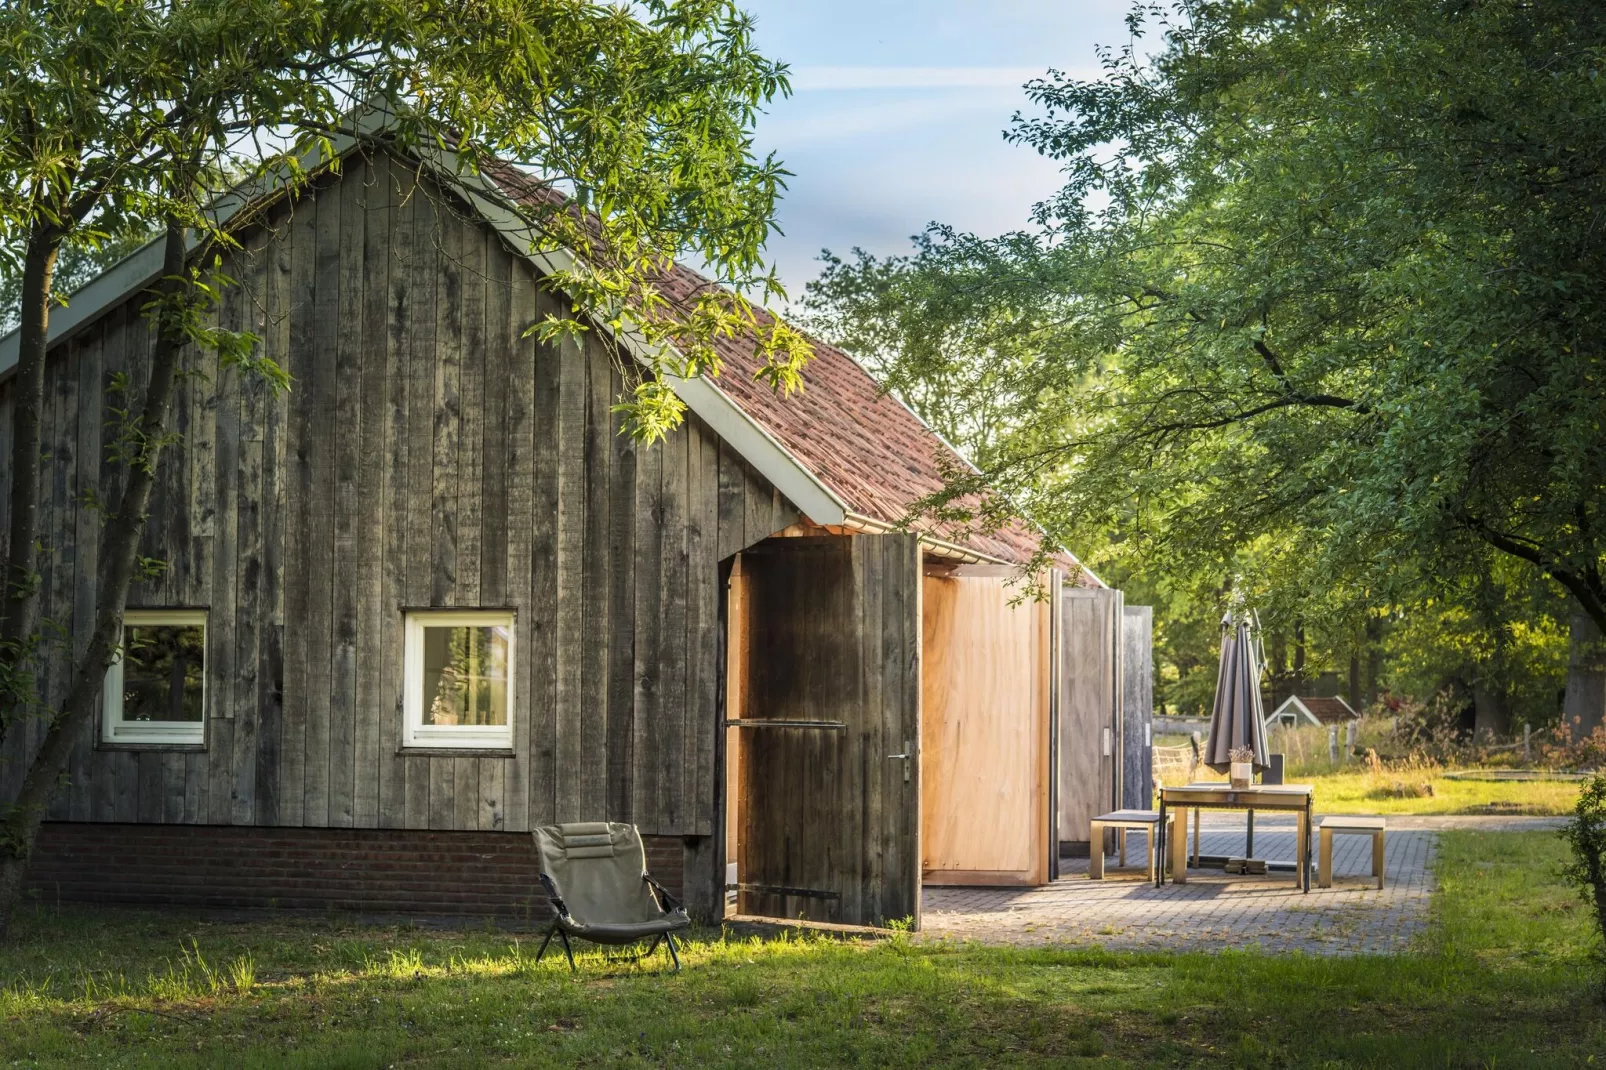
<point>776,889</point>
<point>753,723</point>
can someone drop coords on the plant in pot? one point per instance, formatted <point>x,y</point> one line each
<point>1242,770</point>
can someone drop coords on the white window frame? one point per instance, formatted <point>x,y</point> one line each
<point>153,733</point>
<point>417,734</point>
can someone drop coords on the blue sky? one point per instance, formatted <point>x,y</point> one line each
<point>898,109</point>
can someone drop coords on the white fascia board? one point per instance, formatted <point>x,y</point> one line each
<point>759,448</point>
<point>138,269</point>
<point>701,395</point>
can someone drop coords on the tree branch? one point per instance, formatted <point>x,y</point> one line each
<point>1584,586</point>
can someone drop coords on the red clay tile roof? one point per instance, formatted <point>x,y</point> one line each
<point>862,444</point>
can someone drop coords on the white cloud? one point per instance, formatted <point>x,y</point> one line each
<point>858,78</point>
<point>856,121</point>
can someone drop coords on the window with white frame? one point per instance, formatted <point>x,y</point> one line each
<point>459,685</point>
<point>155,691</point>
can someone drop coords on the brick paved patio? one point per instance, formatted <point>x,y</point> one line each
<point>1214,911</point>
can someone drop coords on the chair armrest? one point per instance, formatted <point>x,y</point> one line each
<point>552,894</point>
<point>665,900</point>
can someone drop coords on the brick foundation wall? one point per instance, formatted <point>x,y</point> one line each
<point>368,870</point>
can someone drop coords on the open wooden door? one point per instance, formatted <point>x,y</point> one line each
<point>829,718</point>
<point>1090,727</point>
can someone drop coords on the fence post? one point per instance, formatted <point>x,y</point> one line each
<point>1332,745</point>
<point>1527,755</point>
<point>1349,741</point>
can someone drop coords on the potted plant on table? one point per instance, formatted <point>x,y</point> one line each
<point>1242,770</point>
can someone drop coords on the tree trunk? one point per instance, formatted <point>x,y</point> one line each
<point>19,595</point>
<point>120,535</point>
<point>1374,658</point>
<point>1299,657</point>
<point>1355,681</point>
<point>1584,708</point>
<point>1490,717</point>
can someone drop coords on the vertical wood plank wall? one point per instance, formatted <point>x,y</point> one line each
<point>985,702</point>
<point>427,455</point>
<point>1137,707</point>
<point>1090,703</point>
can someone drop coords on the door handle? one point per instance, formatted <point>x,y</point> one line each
<point>908,749</point>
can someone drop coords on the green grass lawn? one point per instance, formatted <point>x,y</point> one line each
<point>1502,979</point>
<point>1368,793</point>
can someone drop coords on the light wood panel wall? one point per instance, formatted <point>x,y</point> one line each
<point>428,454</point>
<point>986,696</point>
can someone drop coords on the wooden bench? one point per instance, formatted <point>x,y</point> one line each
<point>1121,821</point>
<point>1348,825</point>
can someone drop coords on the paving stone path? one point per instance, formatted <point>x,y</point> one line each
<point>1214,911</point>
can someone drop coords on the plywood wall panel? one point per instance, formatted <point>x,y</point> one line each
<point>984,732</point>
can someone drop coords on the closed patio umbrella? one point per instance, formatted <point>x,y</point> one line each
<point>1238,719</point>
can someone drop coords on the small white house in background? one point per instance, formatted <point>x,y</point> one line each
<point>1297,711</point>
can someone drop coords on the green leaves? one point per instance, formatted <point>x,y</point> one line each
<point>1315,305</point>
<point>118,116</point>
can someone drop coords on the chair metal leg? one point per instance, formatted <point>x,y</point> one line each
<point>547,941</point>
<point>670,942</point>
<point>567,950</point>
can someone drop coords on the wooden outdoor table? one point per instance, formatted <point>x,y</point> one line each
<point>1218,796</point>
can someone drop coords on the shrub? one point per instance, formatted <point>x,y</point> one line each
<point>1564,748</point>
<point>1586,836</point>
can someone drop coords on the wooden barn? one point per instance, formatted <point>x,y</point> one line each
<point>431,598</point>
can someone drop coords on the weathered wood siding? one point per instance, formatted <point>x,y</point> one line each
<point>427,455</point>
<point>1137,707</point>
<point>1090,736</point>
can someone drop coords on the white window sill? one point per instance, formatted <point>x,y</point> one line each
<point>189,735</point>
<point>458,741</point>
<point>429,750</point>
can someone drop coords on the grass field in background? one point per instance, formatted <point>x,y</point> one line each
<point>1502,978</point>
<point>1399,786</point>
<point>1366,793</point>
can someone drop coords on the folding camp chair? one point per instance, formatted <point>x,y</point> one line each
<point>595,873</point>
